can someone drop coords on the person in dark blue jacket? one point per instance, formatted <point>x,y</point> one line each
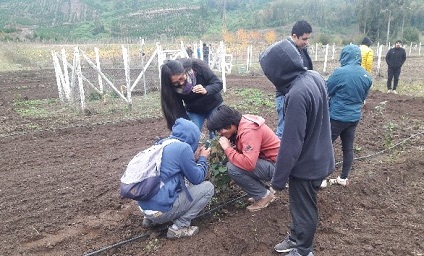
<point>306,154</point>
<point>175,201</point>
<point>348,88</point>
<point>189,89</point>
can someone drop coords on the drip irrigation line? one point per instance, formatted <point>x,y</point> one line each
<point>385,150</point>
<point>240,197</point>
<point>161,229</point>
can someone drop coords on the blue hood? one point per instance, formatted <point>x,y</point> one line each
<point>186,131</point>
<point>281,63</point>
<point>351,55</point>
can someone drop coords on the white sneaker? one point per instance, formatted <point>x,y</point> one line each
<point>394,91</point>
<point>389,91</point>
<point>339,181</point>
<point>324,184</point>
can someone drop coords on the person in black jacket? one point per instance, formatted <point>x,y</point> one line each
<point>189,89</point>
<point>306,154</point>
<point>300,34</point>
<point>395,58</point>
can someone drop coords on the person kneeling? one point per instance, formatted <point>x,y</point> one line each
<point>175,201</point>
<point>252,160</point>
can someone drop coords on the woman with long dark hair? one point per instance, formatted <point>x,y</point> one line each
<point>189,89</point>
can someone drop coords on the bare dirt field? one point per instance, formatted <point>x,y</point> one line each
<point>59,184</point>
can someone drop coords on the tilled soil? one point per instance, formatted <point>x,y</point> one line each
<point>59,187</point>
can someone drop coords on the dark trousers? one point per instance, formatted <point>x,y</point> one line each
<point>346,131</point>
<point>304,212</point>
<point>393,73</point>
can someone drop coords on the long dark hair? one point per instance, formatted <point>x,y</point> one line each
<point>171,102</point>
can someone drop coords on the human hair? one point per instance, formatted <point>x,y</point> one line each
<point>366,41</point>
<point>398,41</point>
<point>223,117</point>
<point>301,27</point>
<point>171,103</point>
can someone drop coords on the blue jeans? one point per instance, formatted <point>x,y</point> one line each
<point>199,119</point>
<point>251,182</point>
<point>346,131</point>
<point>279,106</point>
<point>184,210</point>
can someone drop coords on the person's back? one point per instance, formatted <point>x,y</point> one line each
<point>367,54</point>
<point>348,86</point>
<point>175,201</point>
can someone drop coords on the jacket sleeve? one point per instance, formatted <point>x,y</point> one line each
<point>250,142</point>
<point>195,172</point>
<point>293,139</point>
<point>388,57</point>
<point>213,83</point>
<point>332,83</point>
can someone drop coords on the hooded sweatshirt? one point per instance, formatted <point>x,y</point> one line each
<point>178,163</point>
<point>348,86</point>
<point>254,140</point>
<point>306,150</point>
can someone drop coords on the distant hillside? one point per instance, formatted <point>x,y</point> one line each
<point>85,20</point>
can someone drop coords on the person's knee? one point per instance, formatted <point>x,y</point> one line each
<point>209,188</point>
<point>233,171</point>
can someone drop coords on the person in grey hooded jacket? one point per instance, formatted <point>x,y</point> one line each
<point>175,201</point>
<point>348,88</point>
<point>306,154</point>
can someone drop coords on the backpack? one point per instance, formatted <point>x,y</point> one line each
<point>141,180</point>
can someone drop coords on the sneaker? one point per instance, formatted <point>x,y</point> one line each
<point>182,232</point>
<point>286,245</point>
<point>394,91</point>
<point>294,252</point>
<point>339,181</point>
<point>262,203</point>
<point>147,223</point>
<point>324,184</point>
<point>389,91</point>
<point>252,200</point>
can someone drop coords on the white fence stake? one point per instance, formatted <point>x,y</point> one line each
<point>380,50</point>
<point>59,77</point>
<point>325,59</point>
<point>99,78</point>
<point>126,58</point>
<point>79,75</point>
<point>316,51</point>
<point>66,88</point>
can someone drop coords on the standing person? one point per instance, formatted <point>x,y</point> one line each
<point>395,58</point>
<point>252,160</point>
<point>189,89</point>
<point>174,201</point>
<point>206,53</point>
<point>189,52</point>
<point>348,88</point>
<point>306,156</point>
<point>367,54</point>
<point>300,34</point>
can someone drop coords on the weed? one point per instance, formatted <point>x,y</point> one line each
<point>389,128</point>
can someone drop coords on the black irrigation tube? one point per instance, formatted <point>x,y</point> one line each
<point>387,149</point>
<point>240,197</point>
<point>148,233</point>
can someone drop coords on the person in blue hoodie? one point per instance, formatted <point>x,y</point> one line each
<point>306,154</point>
<point>175,201</point>
<point>348,88</point>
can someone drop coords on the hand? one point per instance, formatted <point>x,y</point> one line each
<point>224,142</point>
<point>199,89</point>
<point>205,152</point>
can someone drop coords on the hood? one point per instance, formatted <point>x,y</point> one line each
<point>186,131</point>
<point>255,121</point>
<point>351,55</point>
<point>281,63</point>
